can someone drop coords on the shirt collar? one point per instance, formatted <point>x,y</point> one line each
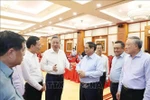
<point>5,69</point>
<point>122,55</point>
<point>91,57</point>
<point>139,54</point>
<point>30,54</point>
<point>52,50</point>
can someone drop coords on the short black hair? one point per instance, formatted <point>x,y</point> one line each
<point>122,44</point>
<point>9,39</point>
<point>99,44</point>
<point>92,45</point>
<point>32,41</point>
<point>55,37</point>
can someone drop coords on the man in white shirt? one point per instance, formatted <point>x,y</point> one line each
<point>18,80</point>
<point>73,52</point>
<point>32,71</point>
<point>54,62</point>
<point>117,64</point>
<point>104,77</point>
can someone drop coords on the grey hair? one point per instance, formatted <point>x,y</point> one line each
<point>137,41</point>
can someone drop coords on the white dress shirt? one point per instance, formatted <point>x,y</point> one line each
<point>18,80</point>
<point>31,70</point>
<point>116,67</point>
<point>73,53</point>
<point>51,58</point>
<point>105,64</point>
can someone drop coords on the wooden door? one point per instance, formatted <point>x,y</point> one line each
<point>147,38</point>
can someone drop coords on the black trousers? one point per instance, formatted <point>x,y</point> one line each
<point>102,82</point>
<point>32,93</point>
<point>54,87</point>
<point>131,94</point>
<point>114,89</point>
<point>90,91</point>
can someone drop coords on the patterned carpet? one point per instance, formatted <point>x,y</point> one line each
<point>107,96</point>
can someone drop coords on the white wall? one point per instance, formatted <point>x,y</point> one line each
<point>98,32</point>
<point>113,30</point>
<point>143,24</point>
<point>112,39</point>
<point>62,45</point>
<point>134,27</point>
<point>88,33</point>
<point>75,43</point>
<point>68,36</point>
<point>87,39</point>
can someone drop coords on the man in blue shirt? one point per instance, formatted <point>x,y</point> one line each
<point>12,46</point>
<point>135,77</point>
<point>90,68</point>
<point>117,63</point>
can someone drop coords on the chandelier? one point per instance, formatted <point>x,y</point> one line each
<point>139,13</point>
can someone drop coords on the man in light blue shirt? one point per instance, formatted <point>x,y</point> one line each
<point>117,63</point>
<point>12,46</point>
<point>90,68</point>
<point>135,78</point>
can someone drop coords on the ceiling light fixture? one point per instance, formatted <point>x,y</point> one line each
<point>74,13</point>
<point>81,24</point>
<point>98,5</point>
<point>139,13</point>
<point>60,19</point>
<point>50,22</point>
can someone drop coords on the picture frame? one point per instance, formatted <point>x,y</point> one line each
<point>69,46</point>
<point>103,42</point>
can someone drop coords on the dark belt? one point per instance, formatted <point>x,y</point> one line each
<point>114,83</point>
<point>132,90</point>
<point>61,75</point>
<point>86,85</point>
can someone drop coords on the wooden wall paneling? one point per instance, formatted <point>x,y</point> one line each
<point>80,41</point>
<point>43,41</point>
<point>147,38</point>
<point>122,32</point>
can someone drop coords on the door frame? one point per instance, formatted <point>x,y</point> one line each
<point>147,35</point>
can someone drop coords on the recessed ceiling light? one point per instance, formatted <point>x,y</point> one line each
<point>50,22</point>
<point>60,18</point>
<point>120,10</point>
<point>98,5</point>
<point>74,13</point>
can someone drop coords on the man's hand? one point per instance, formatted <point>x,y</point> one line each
<point>81,74</point>
<point>118,95</point>
<point>55,68</point>
<point>43,88</point>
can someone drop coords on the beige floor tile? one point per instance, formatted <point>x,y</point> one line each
<point>71,91</point>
